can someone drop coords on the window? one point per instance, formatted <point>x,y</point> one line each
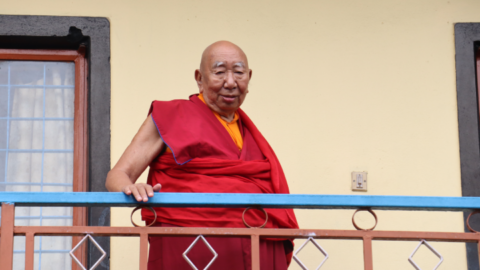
<point>43,141</point>
<point>68,33</point>
<point>467,39</point>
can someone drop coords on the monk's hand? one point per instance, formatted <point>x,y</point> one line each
<point>141,191</point>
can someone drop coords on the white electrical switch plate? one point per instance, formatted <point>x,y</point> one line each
<point>359,181</point>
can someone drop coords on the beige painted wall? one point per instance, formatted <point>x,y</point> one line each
<point>337,86</point>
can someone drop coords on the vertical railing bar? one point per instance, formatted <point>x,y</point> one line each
<point>478,249</point>
<point>40,244</point>
<point>6,241</point>
<point>367,252</point>
<point>255,251</point>
<point>143,251</point>
<point>29,250</point>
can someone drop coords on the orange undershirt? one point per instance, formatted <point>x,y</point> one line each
<point>231,127</point>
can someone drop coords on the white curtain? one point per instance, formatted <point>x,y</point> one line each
<point>37,132</point>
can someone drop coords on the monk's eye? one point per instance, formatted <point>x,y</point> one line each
<point>219,72</point>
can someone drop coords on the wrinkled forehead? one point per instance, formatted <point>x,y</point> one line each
<point>226,56</point>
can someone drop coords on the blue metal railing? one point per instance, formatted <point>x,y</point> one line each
<point>233,200</point>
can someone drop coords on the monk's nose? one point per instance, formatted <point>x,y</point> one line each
<point>230,82</point>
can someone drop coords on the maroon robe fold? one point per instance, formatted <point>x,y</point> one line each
<point>205,159</point>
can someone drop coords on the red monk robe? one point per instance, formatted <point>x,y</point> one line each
<point>205,159</point>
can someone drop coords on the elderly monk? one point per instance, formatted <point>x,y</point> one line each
<point>207,144</point>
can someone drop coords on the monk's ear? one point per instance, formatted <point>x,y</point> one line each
<point>250,74</point>
<point>198,78</point>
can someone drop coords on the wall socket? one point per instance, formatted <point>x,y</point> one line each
<point>359,181</point>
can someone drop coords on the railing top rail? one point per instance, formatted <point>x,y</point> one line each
<point>234,200</point>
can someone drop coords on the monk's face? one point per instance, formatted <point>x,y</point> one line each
<point>223,77</point>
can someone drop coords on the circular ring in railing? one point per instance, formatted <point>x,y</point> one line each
<point>468,221</point>
<point>255,207</point>
<point>140,207</point>
<point>371,212</point>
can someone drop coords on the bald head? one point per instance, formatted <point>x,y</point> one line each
<point>218,48</point>
<point>223,77</point>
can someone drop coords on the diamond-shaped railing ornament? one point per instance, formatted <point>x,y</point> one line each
<point>88,236</point>
<point>310,239</point>
<point>423,242</point>
<point>215,255</point>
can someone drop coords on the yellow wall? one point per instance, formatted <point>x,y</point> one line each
<point>337,86</point>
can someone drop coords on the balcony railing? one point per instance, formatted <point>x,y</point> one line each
<point>11,199</point>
